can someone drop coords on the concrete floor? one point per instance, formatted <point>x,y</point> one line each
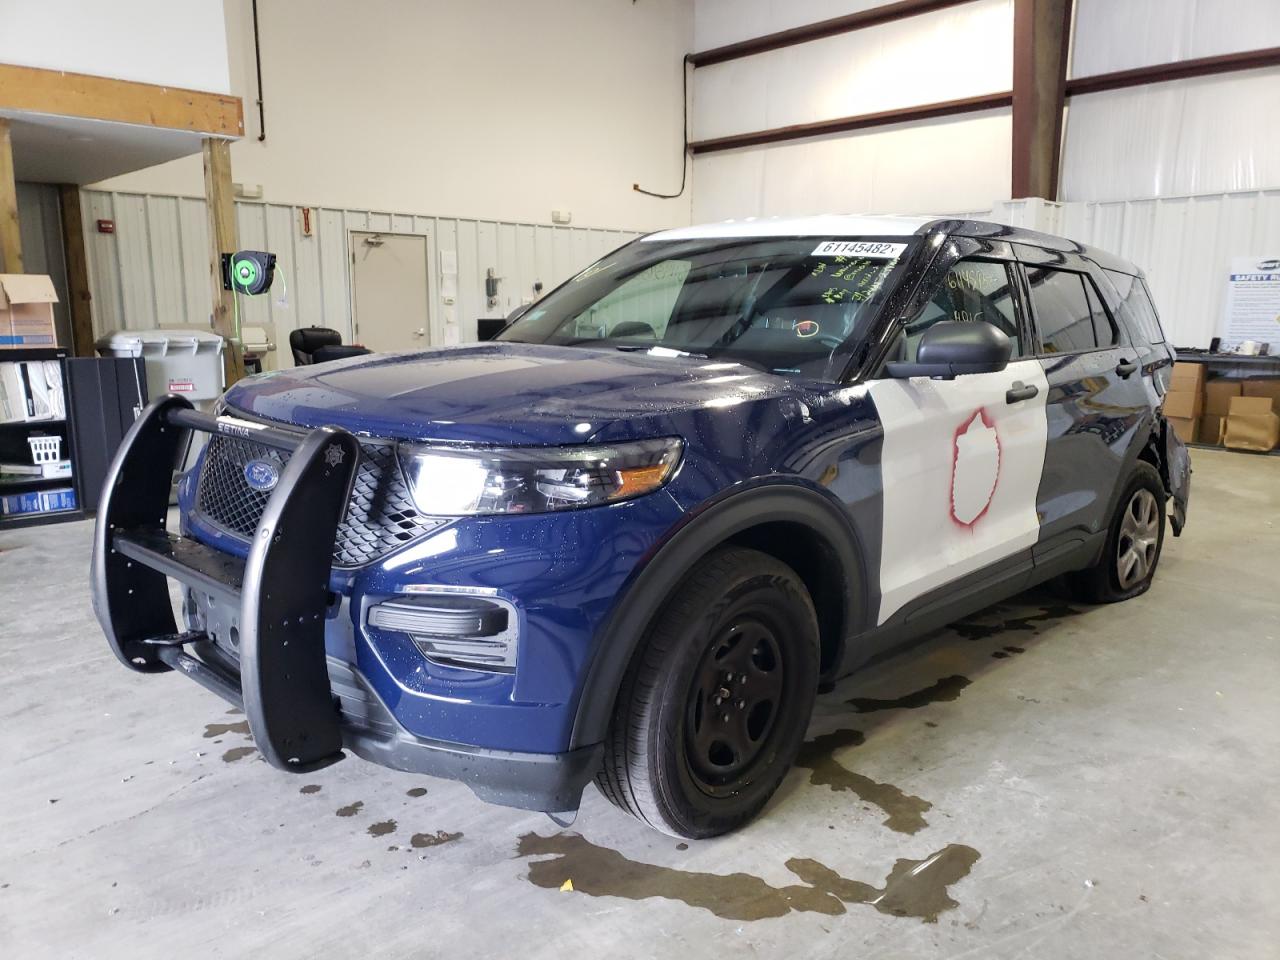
<point>1043,780</point>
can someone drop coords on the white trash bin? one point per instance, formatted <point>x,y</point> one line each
<point>186,361</point>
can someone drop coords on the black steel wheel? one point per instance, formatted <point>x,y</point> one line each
<point>714,706</point>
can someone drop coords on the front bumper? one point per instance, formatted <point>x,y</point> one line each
<point>302,707</point>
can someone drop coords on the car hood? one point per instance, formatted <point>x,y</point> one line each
<point>503,393</point>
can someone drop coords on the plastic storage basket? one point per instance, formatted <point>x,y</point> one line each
<point>45,449</point>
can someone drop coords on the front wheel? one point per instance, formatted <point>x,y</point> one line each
<point>715,704</point>
<point>1134,541</point>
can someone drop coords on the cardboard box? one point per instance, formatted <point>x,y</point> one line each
<point>1188,431</point>
<point>26,310</point>
<point>1183,404</point>
<point>1187,376</point>
<point>1264,388</point>
<point>1212,426</point>
<point>1218,394</point>
<point>1252,424</point>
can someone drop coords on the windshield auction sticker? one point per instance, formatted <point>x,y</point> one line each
<point>860,248</point>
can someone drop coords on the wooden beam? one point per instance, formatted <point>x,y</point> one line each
<point>10,237</point>
<point>818,31</point>
<point>123,101</point>
<point>220,202</point>
<point>80,306</point>
<point>1178,70</point>
<point>1041,34</point>
<point>799,131</point>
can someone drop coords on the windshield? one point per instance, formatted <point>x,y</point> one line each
<point>794,306</point>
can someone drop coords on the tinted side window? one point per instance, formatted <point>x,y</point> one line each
<point>973,291</point>
<point>1062,310</point>
<point>1136,308</point>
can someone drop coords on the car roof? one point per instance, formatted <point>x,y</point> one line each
<point>844,225</point>
<point>826,225</point>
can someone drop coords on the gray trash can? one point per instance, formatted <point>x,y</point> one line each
<point>186,361</point>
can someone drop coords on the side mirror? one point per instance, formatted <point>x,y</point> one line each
<point>951,348</point>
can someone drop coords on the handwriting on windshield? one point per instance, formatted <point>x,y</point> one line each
<point>851,279</point>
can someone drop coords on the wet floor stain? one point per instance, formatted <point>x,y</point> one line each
<point>905,811</point>
<point>1004,653</point>
<point>212,730</point>
<point>310,788</point>
<point>350,810</point>
<point>1031,623</point>
<point>237,753</point>
<point>944,690</point>
<point>913,888</point>
<point>416,792</point>
<point>382,828</point>
<point>420,840</point>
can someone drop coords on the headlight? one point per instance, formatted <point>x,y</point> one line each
<point>453,481</point>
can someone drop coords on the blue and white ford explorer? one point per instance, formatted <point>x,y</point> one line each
<point>629,539</point>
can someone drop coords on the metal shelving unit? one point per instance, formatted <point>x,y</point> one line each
<point>14,448</point>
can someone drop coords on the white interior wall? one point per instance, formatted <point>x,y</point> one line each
<point>176,43</point>
<point>1115,35</point>
<point>1201,135</point>
<point>947,164</point>
<point>152,271</point>
<point>899,64</point>
<point>497,109</point>
<point>957,163</point>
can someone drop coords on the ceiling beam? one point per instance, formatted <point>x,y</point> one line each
<point>799,131</point>
<point>820,30</point>
<point>37,91</point>
<point>1041,36</point>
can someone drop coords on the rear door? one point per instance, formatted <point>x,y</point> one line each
<point>961,458</point>
<point>1096,399</point>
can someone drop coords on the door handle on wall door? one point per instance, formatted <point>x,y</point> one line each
<point>1020,391</point>
<point>420,332</point>
<point>1126,368</point>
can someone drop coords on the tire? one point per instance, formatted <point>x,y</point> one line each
<point>1134,541</point>
<point>742,623</point>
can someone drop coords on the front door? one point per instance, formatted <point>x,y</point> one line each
<point>389,291</point>
<point>1096,400</point>
<point>961,458</point>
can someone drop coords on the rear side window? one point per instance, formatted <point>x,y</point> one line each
<point>1136,309</point>
<point>1062,310</point>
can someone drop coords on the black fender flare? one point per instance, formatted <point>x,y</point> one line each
<point>624,628</point>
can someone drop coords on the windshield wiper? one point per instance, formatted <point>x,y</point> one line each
<point>659,351</point>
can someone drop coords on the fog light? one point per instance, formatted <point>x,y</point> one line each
<point>458,630</point>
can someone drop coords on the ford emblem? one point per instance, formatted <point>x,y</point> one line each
<point>261,475</point>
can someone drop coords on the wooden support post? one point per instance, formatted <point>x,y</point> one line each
<point>1041,34</point>
<point>80,307</point>
<point>222,239</point>
<point>10,238</point>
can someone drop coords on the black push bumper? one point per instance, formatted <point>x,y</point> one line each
<point>302,707</point>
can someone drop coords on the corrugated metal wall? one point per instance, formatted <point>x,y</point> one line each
<point>1185,245</point>
<point>152,271</point>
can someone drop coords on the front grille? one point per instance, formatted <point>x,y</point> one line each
<point>380,514</point>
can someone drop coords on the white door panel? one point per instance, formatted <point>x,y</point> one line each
<point>961,468</point>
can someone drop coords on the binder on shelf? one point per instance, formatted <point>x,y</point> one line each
<point>13,402</point>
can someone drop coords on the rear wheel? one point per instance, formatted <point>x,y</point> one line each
<point>1134,541</point>
<point>714,706</point>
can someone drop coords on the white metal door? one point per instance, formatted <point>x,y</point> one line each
<point>389,291</point>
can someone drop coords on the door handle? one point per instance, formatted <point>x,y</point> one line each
<point>1020,391</point>
<point>1126,368</point>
